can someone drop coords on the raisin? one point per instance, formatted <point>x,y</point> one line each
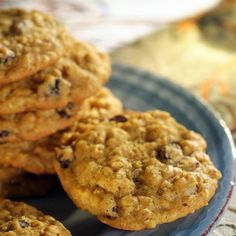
<point>119,118</point>
<point>55,88</point>
<point>64,162</point>
<point>136,180</point>
<point>19,27</point>
<point>161,154</point>
<point>14,29</point>
<point>115,209</point>
<point>4,133</point>
<point>63,114</point>
<point>24,224</point>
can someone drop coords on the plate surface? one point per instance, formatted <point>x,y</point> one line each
<point>140,90</point>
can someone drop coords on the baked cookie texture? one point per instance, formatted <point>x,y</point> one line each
<point>29,42</point>
<point>74,77</point>
<point>20,219</point>
<point>37,156</point>
<point>34,125</point>
<point>137,170</point>
<point>32,156</point>
<point>103,105</point>
<point>17,183</point>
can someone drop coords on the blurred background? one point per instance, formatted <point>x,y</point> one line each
<point>191,42</point>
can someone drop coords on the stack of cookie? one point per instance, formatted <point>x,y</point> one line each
<point>45,76</point>
<point>133,170</point>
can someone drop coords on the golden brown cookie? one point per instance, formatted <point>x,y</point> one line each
<point>17,183</point>
<point>137,170</point>
<point>76,76</point>
<point>103,105</point>
<point>31,156</point>
<point>29,42</point>
<point>18,218</point>
<point>36,156</point>
<point>37,124</point>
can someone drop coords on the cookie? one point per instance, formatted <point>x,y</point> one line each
<point>36,124</point>
<point>137,170</point>
<point>29,42</point>
<point>76,76</point>
<point>17,183</point>
<point>103,105</point>
<point>36,156</point>
<point>18,218</point>
<point>32,156</point>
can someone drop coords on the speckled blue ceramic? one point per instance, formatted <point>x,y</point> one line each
<point>140,90</point>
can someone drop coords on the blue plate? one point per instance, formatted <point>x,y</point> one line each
<point>140,90</point>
